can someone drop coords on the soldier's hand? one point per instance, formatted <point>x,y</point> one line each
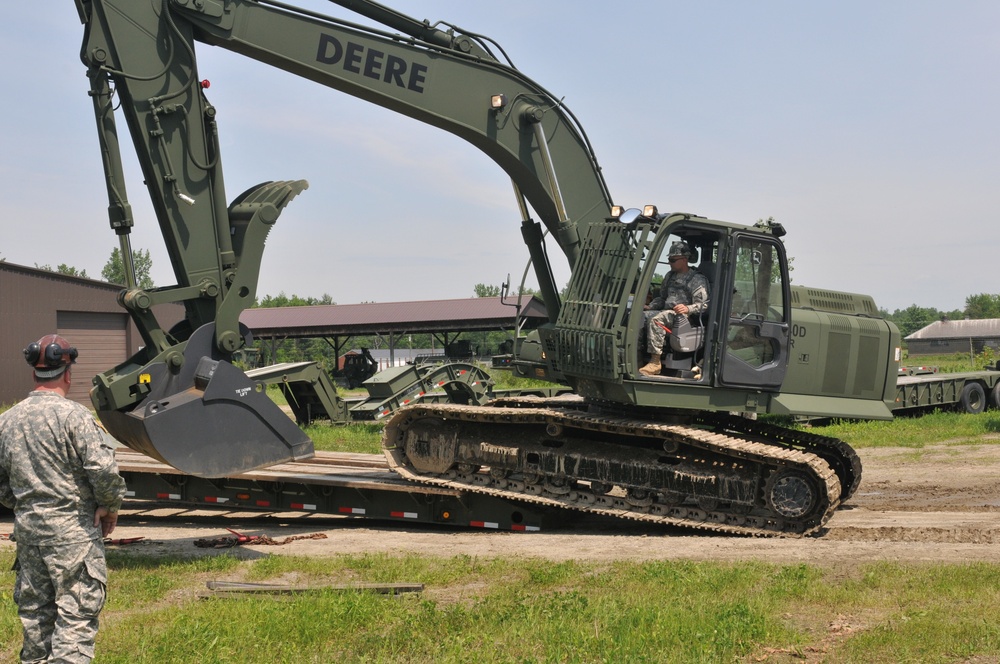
<point>106,520</point>
<point>681,308</point>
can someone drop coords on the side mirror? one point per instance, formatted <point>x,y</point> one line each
<point>630,215</point>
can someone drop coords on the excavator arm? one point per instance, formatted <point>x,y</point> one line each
<point>142,64</point>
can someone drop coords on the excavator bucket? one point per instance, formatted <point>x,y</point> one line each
<point>208,420</point>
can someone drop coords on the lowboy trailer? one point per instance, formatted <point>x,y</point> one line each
<point>336,484</point>
<point>924,388</point>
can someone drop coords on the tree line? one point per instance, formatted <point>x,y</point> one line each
<point>113,271</point>
<point>915,317</point>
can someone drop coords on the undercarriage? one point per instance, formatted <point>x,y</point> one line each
<point>699,470</point>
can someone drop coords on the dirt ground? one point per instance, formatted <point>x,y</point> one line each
<point>939,504</point>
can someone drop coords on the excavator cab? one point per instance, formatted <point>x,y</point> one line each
<point>740,341</point>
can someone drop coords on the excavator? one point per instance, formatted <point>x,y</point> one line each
<point>683,447</point>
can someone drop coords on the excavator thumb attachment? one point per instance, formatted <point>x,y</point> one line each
<point>210,419</point>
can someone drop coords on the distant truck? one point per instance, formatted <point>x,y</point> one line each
<point>356,368</point>
<point>460,350</point>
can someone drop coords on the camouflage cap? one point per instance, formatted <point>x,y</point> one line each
<point>680,248</point>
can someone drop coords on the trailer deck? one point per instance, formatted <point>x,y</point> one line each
<point>925,388</point>
<point>351,485</point>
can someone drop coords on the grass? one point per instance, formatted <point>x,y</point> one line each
<point>954,362</point>
<point>939,427</point>
<point>359,438</point>
<point>526,610</point>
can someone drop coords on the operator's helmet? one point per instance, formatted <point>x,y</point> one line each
<point>680,248</point>
<point>50,355</point>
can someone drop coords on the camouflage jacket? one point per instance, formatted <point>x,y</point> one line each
<point>56,468</point>
<point>690,288</point>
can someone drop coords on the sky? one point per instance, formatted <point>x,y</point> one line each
<point>869,129</point>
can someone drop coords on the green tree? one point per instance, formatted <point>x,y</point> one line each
<point>298,350</point>
<point>913,318</point>
<point>114,270</point>
<point>485,290</point>
<point>983,305</point>
<point>62,268</point>
<point>282,300</point>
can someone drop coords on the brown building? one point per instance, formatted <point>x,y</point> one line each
<point>86,312</point>
<point>955,336</point>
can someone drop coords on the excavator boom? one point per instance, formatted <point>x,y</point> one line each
<point>142,65</point>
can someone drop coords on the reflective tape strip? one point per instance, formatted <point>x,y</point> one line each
<point>525,529</point>
<point>216,499</point>
<point>169,496</point>
<point>302,506</point>
<point>130,494</point>
<point>484,524</point>
<point>403,515</point>
<point>348,510</point>
<point>263,503</point>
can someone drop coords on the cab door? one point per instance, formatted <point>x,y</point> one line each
<point>757,329</point>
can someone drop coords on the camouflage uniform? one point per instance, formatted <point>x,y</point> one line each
<point>56,469</point>
<point>690,288</point>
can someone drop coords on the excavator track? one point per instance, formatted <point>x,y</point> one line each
<point>669,473</point>
<point>841,456</point>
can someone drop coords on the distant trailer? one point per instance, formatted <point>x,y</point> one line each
<point>924,388</point>
<point>341,484</point>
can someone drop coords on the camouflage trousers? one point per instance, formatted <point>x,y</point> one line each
<point>60,591</point>
<point>657,324</point>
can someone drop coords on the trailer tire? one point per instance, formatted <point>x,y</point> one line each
<point>973,399</point>
<point>995,396</point>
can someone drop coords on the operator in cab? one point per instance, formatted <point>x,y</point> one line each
<point>684,292</point>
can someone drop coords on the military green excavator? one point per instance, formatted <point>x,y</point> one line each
<point>677,447</point>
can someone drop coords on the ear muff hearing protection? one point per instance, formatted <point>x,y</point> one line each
<point>53,356</point>
<point>50,352</point>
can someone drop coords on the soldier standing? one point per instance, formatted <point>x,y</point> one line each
<point>59,475</point>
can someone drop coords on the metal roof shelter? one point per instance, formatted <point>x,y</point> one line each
<point>955,336</point>
<point>444,319</point>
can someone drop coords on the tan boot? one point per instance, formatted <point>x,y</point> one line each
<point>653,368</point>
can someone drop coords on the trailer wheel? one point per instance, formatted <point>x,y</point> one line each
<point>973,399</point>
<point>995,395</point>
